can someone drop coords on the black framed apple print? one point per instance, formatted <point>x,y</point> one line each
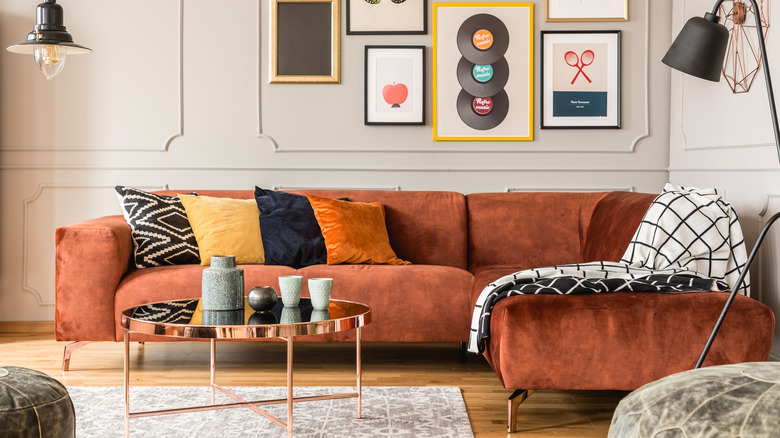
<point>394,85</point>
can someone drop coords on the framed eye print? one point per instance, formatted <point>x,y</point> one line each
<point>580,79</point>
<point>305,41</point>
<point>483,71</point>
<point>586,10</point>
<point>387,17</point>
<point>394,85</point>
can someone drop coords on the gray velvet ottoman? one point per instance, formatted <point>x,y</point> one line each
<point>741,400</point>
<point>33,404</point>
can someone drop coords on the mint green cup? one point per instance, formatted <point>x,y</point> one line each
<point>319,291</point>
<point>290,289</point>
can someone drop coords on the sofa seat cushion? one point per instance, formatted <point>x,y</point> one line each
<point>619,340</point>
<point>178,282</point>
<point>409,303</point>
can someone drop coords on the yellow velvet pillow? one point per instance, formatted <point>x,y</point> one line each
<point>355,232</point>
<point>224,226</point>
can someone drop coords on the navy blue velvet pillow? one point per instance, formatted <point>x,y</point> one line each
<point>290,232</point>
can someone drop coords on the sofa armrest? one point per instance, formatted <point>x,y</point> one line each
<point>91,258</point>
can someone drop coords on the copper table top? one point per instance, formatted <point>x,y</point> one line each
<point>186,319</point>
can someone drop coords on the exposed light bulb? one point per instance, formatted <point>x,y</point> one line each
<point>50,59</point>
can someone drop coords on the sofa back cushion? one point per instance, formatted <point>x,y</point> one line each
<point>615,220</point>
<point>426,227</point>
<point>528,229</point>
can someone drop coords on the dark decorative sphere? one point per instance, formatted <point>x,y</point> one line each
<point>262,298</point>
<point>260,318</point>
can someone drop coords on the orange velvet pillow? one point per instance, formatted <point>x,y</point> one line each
<point>355,232</point>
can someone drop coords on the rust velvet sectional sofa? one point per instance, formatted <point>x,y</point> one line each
<point>457,245</point>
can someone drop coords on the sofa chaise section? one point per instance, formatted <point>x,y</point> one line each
<point>602,341</point>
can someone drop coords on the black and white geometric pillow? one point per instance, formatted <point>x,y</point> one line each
<point>160,228</point>
<point>171,312</point>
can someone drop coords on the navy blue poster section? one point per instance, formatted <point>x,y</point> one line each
<point>579,103</point>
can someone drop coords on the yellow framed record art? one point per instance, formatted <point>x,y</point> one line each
<point>483,71</point>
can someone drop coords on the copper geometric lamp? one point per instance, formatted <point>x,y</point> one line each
<point>699,50</point>
<point>743,58</point>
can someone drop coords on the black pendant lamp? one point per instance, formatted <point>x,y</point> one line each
<point>49,42</point>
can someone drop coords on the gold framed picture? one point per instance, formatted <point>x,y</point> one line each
<point>305,41</point>
<point>586,10</point>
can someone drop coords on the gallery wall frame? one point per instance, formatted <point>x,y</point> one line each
<point>394,85</point>
<point>305,38</point>
<point>483,59</point>
<point>586,10</point>
<point>388,17</point>
<point>580,79</point>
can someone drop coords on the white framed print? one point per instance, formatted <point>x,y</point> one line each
<point>394,92</point>
<point>586,10</point>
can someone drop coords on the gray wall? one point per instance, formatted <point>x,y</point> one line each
<point>182,101</point>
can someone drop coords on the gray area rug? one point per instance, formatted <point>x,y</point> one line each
<point>388,411</point>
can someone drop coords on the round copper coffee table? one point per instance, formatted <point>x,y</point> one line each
<point>186,319</point>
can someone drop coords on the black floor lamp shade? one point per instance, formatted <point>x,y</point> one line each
<point>700,48</point>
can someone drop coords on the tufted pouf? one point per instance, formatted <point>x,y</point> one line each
<point>741,400</point>
<point>33,404</point>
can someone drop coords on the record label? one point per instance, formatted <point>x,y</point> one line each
<point>482,113</point>
<point>482,105</point>
<point>482,73</point>
<point>482,79</point>
<point>482,39</point>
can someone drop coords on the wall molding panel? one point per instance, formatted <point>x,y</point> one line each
<point>741,113</point>
<point>66,90</point>
<point>38,256</point>
<point>768,260</point>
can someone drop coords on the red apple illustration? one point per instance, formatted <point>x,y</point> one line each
<point>395,94</point>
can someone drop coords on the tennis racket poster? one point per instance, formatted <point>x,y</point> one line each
<point>580,79</point>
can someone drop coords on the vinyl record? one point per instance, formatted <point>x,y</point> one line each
<point>467,113</point>
<point>492,29</point>
<point>480,86</point>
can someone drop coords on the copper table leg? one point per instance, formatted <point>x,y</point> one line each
<point>213,370</point>
<point>253,405</point>
<point>359,373</point>
<point>290,386</point>
<point>127,383</point>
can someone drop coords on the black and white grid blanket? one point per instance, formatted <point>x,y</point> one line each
<point>689,240</point>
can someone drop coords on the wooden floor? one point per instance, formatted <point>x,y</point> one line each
<point>544,414</point>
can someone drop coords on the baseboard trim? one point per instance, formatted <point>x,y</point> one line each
<point>26,326</point>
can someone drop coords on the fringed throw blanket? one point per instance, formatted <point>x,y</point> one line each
<point>689,240</point>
